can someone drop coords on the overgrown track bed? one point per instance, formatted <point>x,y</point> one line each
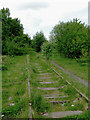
<point>73,87</point>
<point>51,93</point>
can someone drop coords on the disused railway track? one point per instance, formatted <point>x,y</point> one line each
<point>72,86</point>
<point>44,81</point>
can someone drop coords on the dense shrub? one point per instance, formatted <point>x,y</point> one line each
<point>14,41</point>
<point>47,49</point>
<point>71,38</point>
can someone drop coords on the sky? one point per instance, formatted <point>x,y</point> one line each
<point>43,15</point>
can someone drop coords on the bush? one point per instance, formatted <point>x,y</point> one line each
<point>4,67</point>
<point>71,38</point>
<point>14,41</point>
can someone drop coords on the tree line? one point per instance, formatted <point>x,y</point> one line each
<point>14,41</point>
<point>71,38</point>
<point>67,38</point>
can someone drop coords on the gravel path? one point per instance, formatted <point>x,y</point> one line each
<point>74,76</point>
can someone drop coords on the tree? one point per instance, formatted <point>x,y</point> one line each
<point>14,41</point>
<point>47,49</point>
<point>37,41</point>
<point>71,38</point>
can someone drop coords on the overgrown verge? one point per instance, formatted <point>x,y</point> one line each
<point>78,67</point>
<point>14,88</point>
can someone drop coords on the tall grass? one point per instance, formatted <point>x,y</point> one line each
<point>78,67</point>
<point>38,102</point>
<point>14,87</point>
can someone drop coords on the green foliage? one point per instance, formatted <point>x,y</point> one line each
<point>20,45</point>
<point>62,82</point>
<point>11,111</point>
<point>37,41</point>
<point>34,70</point>
<point>14,87</point>
<point>47,49</point>
<point>14,41</point>
<point>85,116</point>
<point>71,38</point>
<point>70,90</point>
<point>38,102</point>
<point>19,90</point>
<point>4,67</point>
<point>83,61</point>
<point>77,106</point>
<point>6,61</point>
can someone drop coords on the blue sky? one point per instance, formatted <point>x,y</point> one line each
<point>43,15</point>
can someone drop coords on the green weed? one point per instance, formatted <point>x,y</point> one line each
<point>12,111</point>
<point>78,67</point>
<point>70,91</point>
<point>14,84</point>
<point>39,103</point>
<point>19,91</point>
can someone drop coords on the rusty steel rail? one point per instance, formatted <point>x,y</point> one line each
<point>29,92</point>
<point>72,86</point>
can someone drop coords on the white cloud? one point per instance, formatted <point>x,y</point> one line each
<point>36,15</point>
<point>33,5</point>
